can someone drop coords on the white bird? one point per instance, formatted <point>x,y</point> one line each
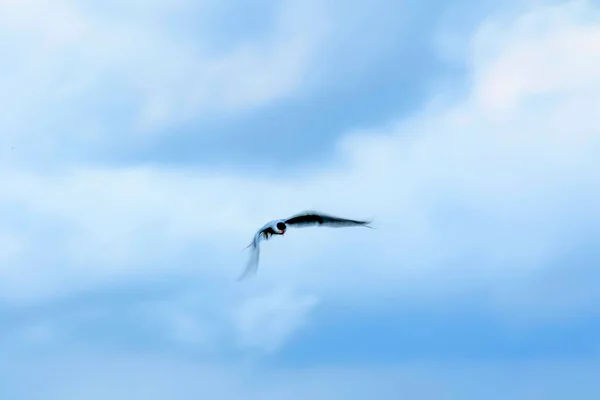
<point>279,226</point>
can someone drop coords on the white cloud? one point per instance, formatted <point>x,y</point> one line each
<point>266,320</point>
<point>66,64</point>
<point>542,53</point>
<point>482,193</point>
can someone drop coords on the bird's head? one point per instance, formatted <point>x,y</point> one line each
<point>281,227</point>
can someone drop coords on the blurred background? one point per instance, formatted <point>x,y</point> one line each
<point>143,143</point>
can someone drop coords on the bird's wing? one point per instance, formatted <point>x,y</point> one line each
<point>252,265</point>
<point>311,218</point>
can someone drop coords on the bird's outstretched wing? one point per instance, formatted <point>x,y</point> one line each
<point>311,218</point>
<point>252,265</point>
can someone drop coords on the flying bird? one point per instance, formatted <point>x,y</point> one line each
<point>280,226</point>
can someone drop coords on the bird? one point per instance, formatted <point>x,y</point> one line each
<point>300,220</point>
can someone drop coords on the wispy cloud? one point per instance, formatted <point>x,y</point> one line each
<point>265,321</point>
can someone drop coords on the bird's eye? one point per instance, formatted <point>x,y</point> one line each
<point>281,226</point>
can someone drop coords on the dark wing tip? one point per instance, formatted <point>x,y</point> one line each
<point>250,270</point>
<point>243,276</point>
<point>307,218</point>
<point>252,264</point>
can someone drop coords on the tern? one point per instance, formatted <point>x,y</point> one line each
<point>279,227</point>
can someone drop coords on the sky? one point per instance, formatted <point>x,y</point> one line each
<point>143,143</point>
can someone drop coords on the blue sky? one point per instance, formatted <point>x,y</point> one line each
<point>143,144</point>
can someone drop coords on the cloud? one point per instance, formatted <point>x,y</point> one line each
<point>481,194</point>
<point>76,76</point>
<point>265,321</point>
<point>543,54</point>
<point>464,180</point>
<point>119,282</point>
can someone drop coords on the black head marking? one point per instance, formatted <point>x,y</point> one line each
<point>281,226</point>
